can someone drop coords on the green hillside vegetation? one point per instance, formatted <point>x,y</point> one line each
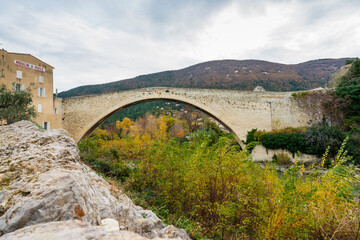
<point>228,74</point>
<point>138,110</point>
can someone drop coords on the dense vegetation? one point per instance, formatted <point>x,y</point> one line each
<point>349,90</point>
<point>313,140</point>
<point>206,184</point>
<point>341,118</point>
<point>15,105</point>
<point>228,74</point>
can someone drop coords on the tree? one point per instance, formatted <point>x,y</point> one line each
<point>354,71</point>
<point>349,89</point>
<point>15,105</point>
<point>125,125</point>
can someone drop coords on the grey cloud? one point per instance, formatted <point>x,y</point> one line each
<point>120,39</point>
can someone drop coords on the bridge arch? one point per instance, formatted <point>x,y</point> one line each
<point>238,111</point>
<point>99,120</point>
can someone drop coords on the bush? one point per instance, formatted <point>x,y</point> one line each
<point>313,141</point>
<point>250,136</point>
<point>282,159</point>
<point>319,136</point>
<point>275,140</point>
<point>250,146</point>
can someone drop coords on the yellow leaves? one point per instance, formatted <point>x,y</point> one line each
<point>163,128</point>
<point>146,138</point>
<point>124,125</point>
<point>137,141</point>
<point>302,170</point>
<point>102,133</point>
<point>165,123</point>
<point>118,124</point>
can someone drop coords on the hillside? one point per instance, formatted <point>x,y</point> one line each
<point>228,74</point>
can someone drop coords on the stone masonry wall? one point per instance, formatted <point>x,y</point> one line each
<point>240,111</point>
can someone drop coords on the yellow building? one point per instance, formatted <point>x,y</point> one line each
<point>21,71</point>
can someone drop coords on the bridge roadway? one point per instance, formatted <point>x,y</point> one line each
<point>239,111</point>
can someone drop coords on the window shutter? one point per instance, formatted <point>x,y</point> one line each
<point>39,108</point>
<point>39,92</point>
<point>44,92</point>
<point>22,87</point>
<point>19,74</point>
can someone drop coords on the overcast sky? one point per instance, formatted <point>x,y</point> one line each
<point>90,42</point>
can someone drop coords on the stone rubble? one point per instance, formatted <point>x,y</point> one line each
<point>45,188</point>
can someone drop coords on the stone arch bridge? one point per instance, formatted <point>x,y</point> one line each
<point>239,111</point>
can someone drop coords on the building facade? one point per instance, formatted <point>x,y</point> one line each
<point>22,71</point>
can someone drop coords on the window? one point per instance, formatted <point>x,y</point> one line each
<point>18,87</point>
<point>41,79</point>
<point>18,74</point>
<point>2,72</point>
<point>41,92</point>
<point>46,125</point>
<point>40,108</point>
<point>56,110</point>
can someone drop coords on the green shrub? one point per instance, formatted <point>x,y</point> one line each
<point>299,95</point>
<point>275,140</point>
<point>250,146</point>
<point>250,136</point>
<point>313,141</point>
<point>208,137</point>
<point>319,136</point>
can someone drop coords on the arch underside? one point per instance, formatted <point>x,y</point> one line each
<point>98,122</point>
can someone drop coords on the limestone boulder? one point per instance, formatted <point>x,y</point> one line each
<point>42,180</point>
<point>71,229</point>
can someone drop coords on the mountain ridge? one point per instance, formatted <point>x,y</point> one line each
<point>228,74</point>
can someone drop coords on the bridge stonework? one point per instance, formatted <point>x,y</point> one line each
<point>239,111</point>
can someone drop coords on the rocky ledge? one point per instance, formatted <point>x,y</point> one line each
<point>47,193</point>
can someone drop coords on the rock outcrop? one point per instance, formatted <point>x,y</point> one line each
<point>45,188</point>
